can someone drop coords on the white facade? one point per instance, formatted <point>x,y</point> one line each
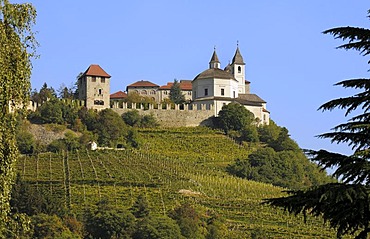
<point>221,87</point>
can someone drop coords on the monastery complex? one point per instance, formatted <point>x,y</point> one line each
<point>209,90</point>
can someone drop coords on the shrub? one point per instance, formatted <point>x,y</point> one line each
<point>107,222</point>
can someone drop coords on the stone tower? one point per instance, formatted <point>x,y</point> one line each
<point>94,88</point>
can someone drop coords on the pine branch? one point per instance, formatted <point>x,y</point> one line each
<point>359,38</point>
<point>358,140</point>
<point>345,207</point>
<point>351,169</point>
<point>361,83</point>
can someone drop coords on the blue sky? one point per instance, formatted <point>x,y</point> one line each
<point>289,62</point>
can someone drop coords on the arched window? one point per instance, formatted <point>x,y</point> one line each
<point>239,69</point>
<point>100,91</point>
<point>144,92</point>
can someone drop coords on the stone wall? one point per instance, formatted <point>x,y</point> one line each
<point>176,117</point>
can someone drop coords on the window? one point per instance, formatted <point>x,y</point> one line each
<point>98,102</point>
<point>189,92</point>
<point>100,91</point>
<point>165,92</point>
<point>152,92</point>
<point>239,69</point>
<point>93,79</point>
<point>222,91</point>
<point>102,80</point>
<point>205,91</point>
<point>234,94</point>
<point>144,92</point>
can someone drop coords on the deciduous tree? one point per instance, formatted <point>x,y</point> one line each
<point>234,117</point>
<point>17,47</point>
<point>344,205</point>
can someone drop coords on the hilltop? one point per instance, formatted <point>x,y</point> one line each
<point>172,166</point>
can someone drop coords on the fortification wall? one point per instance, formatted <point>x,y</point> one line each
<point>177,117</point>
<point>187,115</point>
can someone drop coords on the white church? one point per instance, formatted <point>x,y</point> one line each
<point>219,87</point>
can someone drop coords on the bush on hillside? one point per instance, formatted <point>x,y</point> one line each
<point>50,226</point>
<point>107,222</point>
<point>25,142</point>
<point>134,119</point>
<point>32,201</point>
<point>55,111</point>
<point>234,116</point>
<point>288,168</point>
<point>188,220</point>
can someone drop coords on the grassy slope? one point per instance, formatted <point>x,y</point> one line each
<point>170,160</point>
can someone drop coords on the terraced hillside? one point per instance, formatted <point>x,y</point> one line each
<point>171,167</point>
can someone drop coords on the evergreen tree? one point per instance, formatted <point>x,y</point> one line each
<point>175,93</point>
<point>344,205</point>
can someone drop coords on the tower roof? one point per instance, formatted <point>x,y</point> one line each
<point>238,59</point>
<point>96,70</point>
<point>214,57</point>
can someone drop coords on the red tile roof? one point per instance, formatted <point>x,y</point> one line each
<point>118,95</point>
<point>143,83</point>
<point>183,86</point>
<point>96,70</point>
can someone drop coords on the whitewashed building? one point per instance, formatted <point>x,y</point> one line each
<point>219,87</point>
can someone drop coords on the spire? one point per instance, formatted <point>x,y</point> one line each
<point>214,63</point>
<point>238,59</point>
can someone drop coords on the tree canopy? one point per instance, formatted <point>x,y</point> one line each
<point>344,205</point>
<point>234,116</point>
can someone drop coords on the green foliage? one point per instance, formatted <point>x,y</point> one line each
<point>89,117</point>
<point>131,117</point>
<point>176,95</point>
<point>234,116</point>
<point>166,227</point>
<point>216,227</point>
<point>268,133</point>
<point>107,222</point>
<point>188,220</point>
<point>159,170</point>
<point>249,133</point>
<point>17,48</point>
<point>68,143</point>
<point>280,162</point>
<point>25,141</point>
<point>109,127</point>
<point>50,226</point>
<point>345,206</point>
<point>31,200</point>
<point>56,111</point>
<point>134,119</point>
<point>140,209</point>
<point>139,100</point>
<point>43,95</point>
<point>287,168</point>
<point>66,93</point>
<point>148,121</point>
<point>161,227</point>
